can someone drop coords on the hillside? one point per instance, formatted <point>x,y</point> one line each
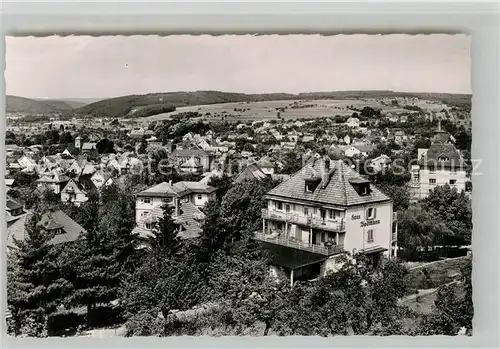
<point>16,104</point>
<point>63,104</point>
<point>26,105</point>
<point>123,106</point>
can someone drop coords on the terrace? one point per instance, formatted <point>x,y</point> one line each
<point>315,223</point>
<point>278,238</point>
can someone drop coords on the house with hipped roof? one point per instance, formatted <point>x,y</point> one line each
<point>186,199</point>
<point>194,192</point>
<point>57,223</point>
<point>320,213</point>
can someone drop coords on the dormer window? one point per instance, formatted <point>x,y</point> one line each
<point>362,186</point>
<point>443,159</point>
<point>311,184</point>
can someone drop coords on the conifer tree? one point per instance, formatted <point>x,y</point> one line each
<point>36,287</point>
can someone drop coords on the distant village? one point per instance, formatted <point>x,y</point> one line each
<point>341,183</point>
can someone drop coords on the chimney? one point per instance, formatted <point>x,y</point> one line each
<point>177,207</point>
<point>439,125</point>
<point>170,182</point>
<point>326,172</point>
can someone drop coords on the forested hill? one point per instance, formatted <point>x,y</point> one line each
<point>26,105</point>
<point>121,106</point>
<point>17,104</point>
<point>126,105</point>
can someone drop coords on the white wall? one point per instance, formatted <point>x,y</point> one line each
<point>203,200</point>
<point>356,235</point>
<point>141,207</point>
<point>442,177</point>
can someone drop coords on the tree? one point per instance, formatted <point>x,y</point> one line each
<point>246,293</point>
<point>453,310</point>
<point>454,208</point>
<point>418,230</point>
<point>400,195</point>
<point>35,288</point>
<point>356,300</point>
<point>52,136</point>
<point>142,147</point>
<point>242,206</point>
<point>105,146</point>
<point>222,183</point>
<point>165,237</point>
<point>66,138</point>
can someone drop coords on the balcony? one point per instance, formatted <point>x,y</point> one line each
<point>279,239</point>
<point>316,223</point>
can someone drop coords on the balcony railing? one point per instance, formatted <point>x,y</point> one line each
<point>278,239</point>
<point>329,225</point>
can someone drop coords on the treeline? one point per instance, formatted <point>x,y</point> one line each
<point>215,284</point>
<point>151,110</point>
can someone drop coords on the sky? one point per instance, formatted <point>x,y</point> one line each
<point>110,66</point>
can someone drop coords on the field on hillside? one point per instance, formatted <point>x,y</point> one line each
<point>267,110</point>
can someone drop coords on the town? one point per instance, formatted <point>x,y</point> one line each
<point>309,214</point>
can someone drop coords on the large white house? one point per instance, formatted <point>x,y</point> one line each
<point>352,122</point>
<point>323,211</point>
<point>186,199</point>
<point>196,193</point>
<point>441,164</point>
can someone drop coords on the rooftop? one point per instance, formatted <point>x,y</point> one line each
<point>178,189</point>
<point>335,187</point>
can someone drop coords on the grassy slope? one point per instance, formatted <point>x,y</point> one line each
<point>121,106</point>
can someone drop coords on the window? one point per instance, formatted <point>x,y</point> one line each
<point>369,235</point>
<point>453,181</point>
<point>144,213</point>
<point>323,237</point>
<point>332,214</point>
<point>148,226</point>
<point>199,196</point>
<point>287,208</point>
<point>371,213</point>
<point>309,188</point>
<point>279,205</point>
<point>306,211</point>
<point>432,180</point>
<point>146,200</point>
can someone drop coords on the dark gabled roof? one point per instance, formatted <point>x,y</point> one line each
<point>290,258</point>
<point>85,183</point>
<point>437,151</point>
<point>251,172</point>
<point>338,190</point>
<point>178,189</point>
<point>12,205</point>
<point>56,219</point>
